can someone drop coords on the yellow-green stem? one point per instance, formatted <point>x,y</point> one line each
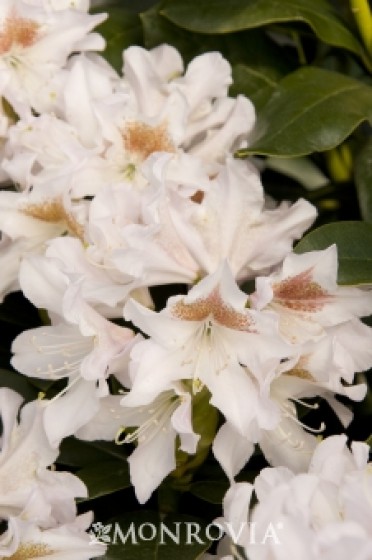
<point>363,18</point>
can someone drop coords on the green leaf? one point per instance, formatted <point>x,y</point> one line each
<point>312,110</point>
<point>252,48</point>
<point>363,180</point>
<point>77,453</point>
<point>256,83</point>
<point>105,477</point>
<point>205,419</point>
<point>18,383</point>
<point>211,491</point>
<point>354,244</point>
<point>219,16</point>
<point>136,525</point>
<point>121,29</point>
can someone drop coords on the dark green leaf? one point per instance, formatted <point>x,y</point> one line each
<point>252,48</point>
<point>254,83</point>
<point>354,243</point>
<point>363,180</point>
<point>312,110</point>
<point>133,526</point>
<point>219,16</point>
<point>211,491</point>
<point>77,453</point>
<point>18,383</point>
<point>105,477</point>
<point>205,422</point>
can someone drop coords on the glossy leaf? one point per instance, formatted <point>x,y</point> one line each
<point>354,244</point>
<point>256,83</point>
<point>363,180</point>
<point>219,16</point>
<point>252,48</point>
<point>312,110</point>
<point>105,477</point>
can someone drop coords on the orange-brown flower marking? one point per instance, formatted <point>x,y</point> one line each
<point>301,293</point>
<point>143,139</point>
<point>198,197</point>
<point>54,212</point>
<point>216,309</point>
<point>31,550</point>
<point>18,31</point>
<point>301,373</point>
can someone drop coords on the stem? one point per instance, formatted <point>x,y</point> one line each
<point>363,18</point>
<point>299,47</point>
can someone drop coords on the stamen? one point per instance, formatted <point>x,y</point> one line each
<point>296,444</point>
<point>68,350</point>
<point>160,414</point>
<point>64,390</point>
<point>118,439</point>
<point>288,412</point>
<point>74,350</point>
<point>314,406</point>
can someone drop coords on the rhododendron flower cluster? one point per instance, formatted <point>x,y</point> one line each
<point>322,513</point>
<point>127,182</point>
<point>37,503</point>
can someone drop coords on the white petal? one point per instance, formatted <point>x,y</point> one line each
<point>231,450</point>
<point>77,408</point>
<point>151,462</point>
<point>10,402</point>
<point>182,423</point>
<point>288,445</point>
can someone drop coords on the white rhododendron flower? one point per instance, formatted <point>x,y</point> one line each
<point>305,295</point>
<point>121,128</point>
<point>79,347</point>
<point>154,427</point>
<point>33,498</point>
<point>68,541</point>
<point>25,456</point>
<point>35,43</point>
<point>181,239</point>
<point>312,515</point>
<point>202,119</point>
<point>210,337</point>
